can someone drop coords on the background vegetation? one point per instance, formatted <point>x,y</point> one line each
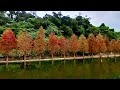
<point>58,23</point>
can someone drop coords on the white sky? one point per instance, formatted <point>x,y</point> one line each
<point>110,18</point>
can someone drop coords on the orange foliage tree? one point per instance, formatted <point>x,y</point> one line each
<point>83,45</point>
<point>112,47</point>
<point>107,46</point>
<point>52,44</point>
<point>63,43</point>
<point>7,43</point>
<point>118,47</point>
<point>102,44</point>
<point>74,45</point>
<point>39,42</point>
<point>93,44</point>
<point>24,44</point>
<point>67,47</point>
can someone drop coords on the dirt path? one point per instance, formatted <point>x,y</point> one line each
<point>70,58</point>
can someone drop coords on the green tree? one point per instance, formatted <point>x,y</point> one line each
<point>80,30</point>
<point>52,28</point>
<point>74,26</point>
<point>66,31</point>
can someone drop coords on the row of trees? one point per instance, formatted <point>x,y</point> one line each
<point>25,44</point>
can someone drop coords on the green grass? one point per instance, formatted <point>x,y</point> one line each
<point>88,70</point>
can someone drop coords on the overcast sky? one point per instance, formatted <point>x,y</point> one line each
<point>110,18</point>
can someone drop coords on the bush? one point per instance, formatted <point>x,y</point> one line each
<point>2,68</point>
<point>13,67</point>
<point>30,66</point>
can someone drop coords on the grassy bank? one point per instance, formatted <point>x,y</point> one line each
<point>88,70</point>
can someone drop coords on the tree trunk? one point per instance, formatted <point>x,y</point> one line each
<point>108,56</point>
<point>64,58</point>
<point>74,58</point>
<point>23,57</point>
<point>114,57</point>
<point>100,58</point>
<point>52,59</point>
<point>68,55</point>
<point>61,55</point>
<point>40,60</point>
<point>24,60</point>
<point>83,57</point>
<point>76,54</point>
<point>92,57</point>
<point>6,61</point>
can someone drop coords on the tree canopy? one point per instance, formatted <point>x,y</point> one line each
<point>59,24</point>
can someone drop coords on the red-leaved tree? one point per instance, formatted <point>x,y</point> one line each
<point>63,43</point>
<point>102,45</point>
<point>7,43</point>
<point>118,47</point>
<point>24,44</point>
<point>107,45</point>
<point>93,44</point>
<point>52,44</point>
<point>113,46</point>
